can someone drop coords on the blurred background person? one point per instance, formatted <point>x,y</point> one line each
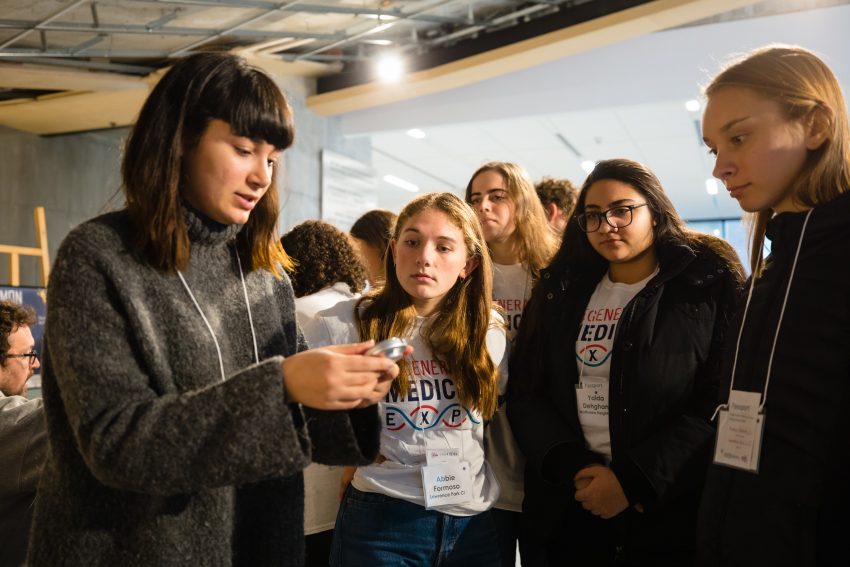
<point>520,244</point>
<point>371,234</point>
<point>23,432</point>
<point>558,197</point>
<point>327,270</point>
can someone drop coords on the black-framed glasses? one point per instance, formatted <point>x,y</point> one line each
<point>616,217</point>
<point>31,355</point>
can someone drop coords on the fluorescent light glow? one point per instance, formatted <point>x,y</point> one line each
<point>692,105</point>
<point>416,133</point>
<point>379,17</point>
<point>377,41</point>
<point>381,27</point>
<point>401,183</point>
<point>712,186</point>
<point>390,68</point>
<point>588,166</point>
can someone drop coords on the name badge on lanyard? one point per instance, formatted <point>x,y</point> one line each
<point>739,432</point>
<point>592,402</point>
<point>741,423</point>
<point>446,479</point>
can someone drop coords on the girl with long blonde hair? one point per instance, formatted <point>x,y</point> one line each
<point>777,123</point>
<point>521,243</point>
<point>429,490</point>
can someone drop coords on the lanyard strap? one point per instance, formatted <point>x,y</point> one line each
<point>778,324</point>
<point>207,323</point>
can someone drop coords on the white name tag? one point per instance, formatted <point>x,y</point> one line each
<point>440,456</point>
<point>592,402</point>
<point>446,483</point>
<point>739,432</point>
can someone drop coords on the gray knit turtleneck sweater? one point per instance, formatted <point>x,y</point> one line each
<point>154,460</point>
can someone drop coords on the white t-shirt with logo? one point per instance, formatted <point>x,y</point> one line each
<point>511,290</point>
<point>593,350</point>
<point>428,417</point>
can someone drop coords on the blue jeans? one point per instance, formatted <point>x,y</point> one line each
<point>374,529</point>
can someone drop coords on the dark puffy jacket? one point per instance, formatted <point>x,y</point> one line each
<point>663,389</point>
<point>795,510</point>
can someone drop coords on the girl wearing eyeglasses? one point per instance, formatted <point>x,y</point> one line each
<point>521,243</point>
<point>619,346</point>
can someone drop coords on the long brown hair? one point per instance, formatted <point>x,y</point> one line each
<point>195,91</point>
<point>801,83</point>
<point>457,334</point>
<point>537,243</point>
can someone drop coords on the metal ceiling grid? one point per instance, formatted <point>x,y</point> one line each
<point>152,32</point>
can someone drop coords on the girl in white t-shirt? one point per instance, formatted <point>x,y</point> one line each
<point>327,271</point>
<point>521,243</point>
<point>427,494</point>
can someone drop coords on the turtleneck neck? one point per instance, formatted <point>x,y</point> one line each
<point>203,231</point>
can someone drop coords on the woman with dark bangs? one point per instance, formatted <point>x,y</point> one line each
<point>181,401</point>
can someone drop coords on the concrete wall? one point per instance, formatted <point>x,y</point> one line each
<point>302,179</point>
<point>71,176</point>
<point>76,176</point>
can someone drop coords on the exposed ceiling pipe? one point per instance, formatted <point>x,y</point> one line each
<point>47,20</point>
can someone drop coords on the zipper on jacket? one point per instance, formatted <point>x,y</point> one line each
<point>621,331</point>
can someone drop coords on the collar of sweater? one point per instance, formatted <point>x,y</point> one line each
<point>203,231</point>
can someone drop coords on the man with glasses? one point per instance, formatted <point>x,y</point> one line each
<point>23,439</point>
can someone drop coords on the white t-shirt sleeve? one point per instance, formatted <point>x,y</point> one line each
<point>499,349</point>
<point>332,326</point>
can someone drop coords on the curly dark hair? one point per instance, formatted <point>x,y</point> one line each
<point>324,256</point>
<point>12,316</point>
<point>559,191</point>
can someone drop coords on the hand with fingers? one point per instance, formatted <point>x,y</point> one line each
<point>599,491</point>
<point>338,377</point>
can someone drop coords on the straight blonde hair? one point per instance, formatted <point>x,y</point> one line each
<point>537,242</point>
<point>802,84</point>
<point>457,335</point>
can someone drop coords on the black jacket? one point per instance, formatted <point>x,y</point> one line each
<point>663,388</point>
<point>795,511</point>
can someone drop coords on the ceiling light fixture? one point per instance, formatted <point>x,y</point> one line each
<point>390,68</point>
<point>401,183</point>
<point>588,166</point>
<point>692,105</point>
<point>711,186</point>
<point>416,133</point>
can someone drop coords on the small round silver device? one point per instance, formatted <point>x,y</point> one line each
<point>392,348</point>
